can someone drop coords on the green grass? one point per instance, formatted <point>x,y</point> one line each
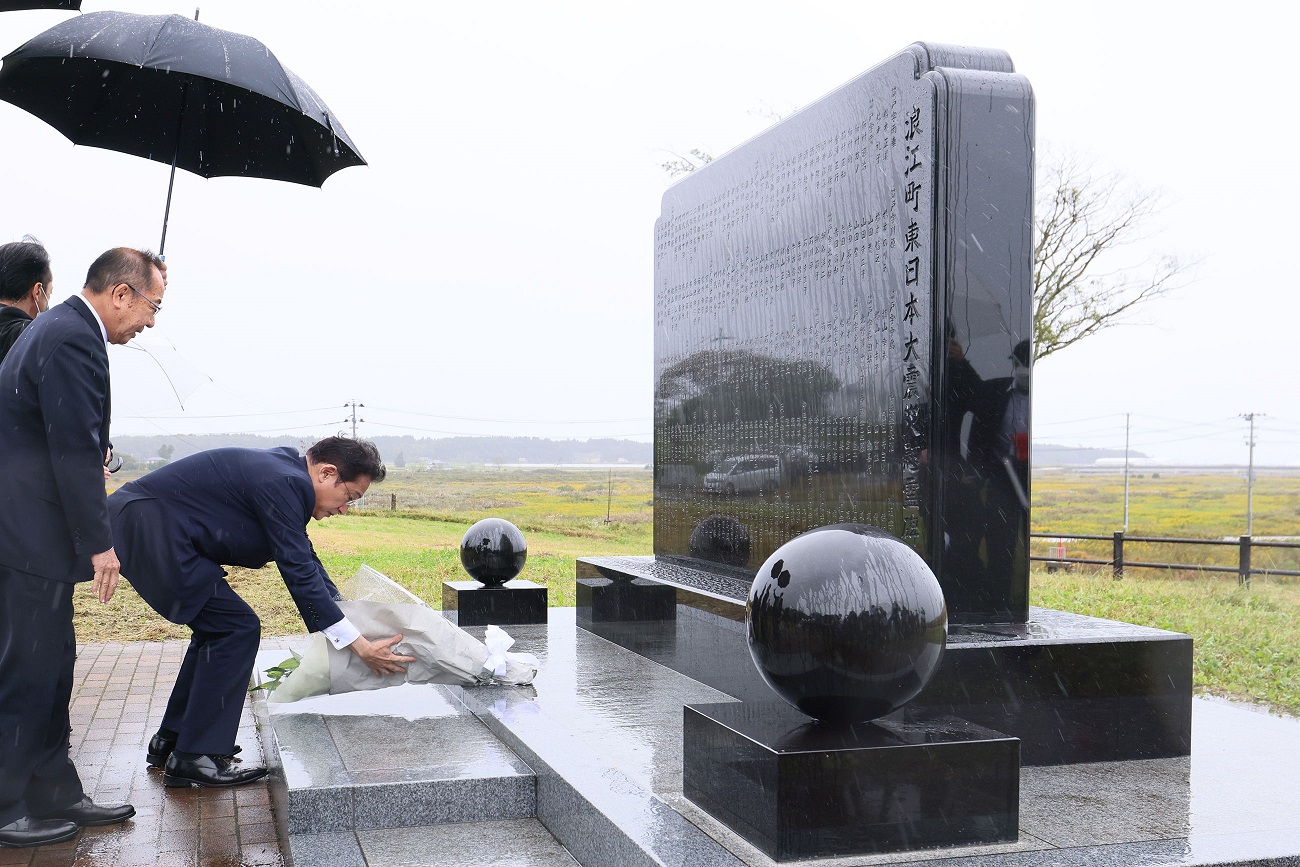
<point>1244,638</point>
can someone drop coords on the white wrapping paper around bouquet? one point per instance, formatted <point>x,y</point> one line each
<point>444,653</point>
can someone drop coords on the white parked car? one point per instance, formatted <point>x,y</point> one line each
<point>745,474</point>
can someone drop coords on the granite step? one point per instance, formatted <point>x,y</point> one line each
<point>396,758</point>
<point>501,843</point>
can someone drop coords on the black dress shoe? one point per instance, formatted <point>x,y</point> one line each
<point>208,771</point>
<point>87,814</point>
<point>161,746</point>
<point>35,832</point>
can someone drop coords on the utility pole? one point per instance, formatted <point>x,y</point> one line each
<point>1250,475</point>
<point>718,369</point>
<point>609,502</point>
<point>354,404</point>
<point>1127,418</point>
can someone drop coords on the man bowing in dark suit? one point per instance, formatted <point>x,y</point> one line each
<point>54,532</point>
<point>178,525</point>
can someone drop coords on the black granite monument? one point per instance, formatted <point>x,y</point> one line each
<point>843,317</point>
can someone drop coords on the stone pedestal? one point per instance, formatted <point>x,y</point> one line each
<point>469,603</point>
<point>619,599</point>
<point>796,788</point>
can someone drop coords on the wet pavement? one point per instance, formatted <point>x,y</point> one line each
<point>117,701</point>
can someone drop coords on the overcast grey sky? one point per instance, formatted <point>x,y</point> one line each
<point>490,271</point>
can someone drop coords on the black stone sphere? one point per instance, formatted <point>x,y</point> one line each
<point>493,551</point>
<point>847,623</point>
<point>721,539</point>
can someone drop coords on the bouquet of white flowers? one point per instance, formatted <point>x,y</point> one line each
<point>444,653</point>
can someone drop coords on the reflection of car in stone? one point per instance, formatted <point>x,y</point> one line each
<point>745,474</point>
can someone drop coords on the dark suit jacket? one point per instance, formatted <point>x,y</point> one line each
<point>54,414</point>
<point>177,526</point>
<point>12,323</point>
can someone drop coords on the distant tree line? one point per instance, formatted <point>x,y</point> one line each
<point>403,450</point>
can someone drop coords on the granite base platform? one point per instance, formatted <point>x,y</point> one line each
<point>602,731</point>
<point>1071,688</point>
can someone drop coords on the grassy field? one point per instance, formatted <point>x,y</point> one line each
<point>1246,639</point>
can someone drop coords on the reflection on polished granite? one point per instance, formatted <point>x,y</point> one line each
<point>1072,688</point>
<point>602,733</point>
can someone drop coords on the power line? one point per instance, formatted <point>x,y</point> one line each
<point>513,420</point>
<point>234,415</point>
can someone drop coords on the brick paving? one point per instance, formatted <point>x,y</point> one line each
<point>118,699</point>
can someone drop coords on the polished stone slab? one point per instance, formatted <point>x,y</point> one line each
<point>469,603</point>
<point>1071,688</point>
<point>608,724</point>
<point>843,314</point>
<point>796,788</point>
<point>601,728</point>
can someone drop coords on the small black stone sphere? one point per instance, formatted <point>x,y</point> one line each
<point>847,623</point>
<point>493,551</point>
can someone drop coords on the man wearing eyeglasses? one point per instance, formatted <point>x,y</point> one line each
<point>26,281</point>
<point>54,533</point>
<point>175,529</point>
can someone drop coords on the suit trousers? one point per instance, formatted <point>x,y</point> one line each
<point>38,649</point>
<point>208,696</point>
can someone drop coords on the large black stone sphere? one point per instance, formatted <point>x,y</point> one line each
<point>846,623</point>
<point>493,551</point>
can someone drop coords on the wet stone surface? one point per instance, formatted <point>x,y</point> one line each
<point>602,731</point>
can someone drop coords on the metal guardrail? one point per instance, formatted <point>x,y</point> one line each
<point>1245,546</point>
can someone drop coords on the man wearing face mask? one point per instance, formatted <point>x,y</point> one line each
<point>25,287</point>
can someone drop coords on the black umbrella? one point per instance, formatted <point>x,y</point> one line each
<point>15,5</point>
<point>170,89</point>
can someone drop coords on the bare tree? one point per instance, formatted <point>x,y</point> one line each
<point>684,165</point>
<point>1085,221</point>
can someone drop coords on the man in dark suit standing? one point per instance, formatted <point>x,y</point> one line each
<point>177,526</point>
<point>25,286</point>
<point>54,532</point>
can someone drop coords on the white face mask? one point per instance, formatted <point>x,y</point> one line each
<point>39,309</point>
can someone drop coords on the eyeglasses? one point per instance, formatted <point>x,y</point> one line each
<point>353,501</point>
<point>157,308</point>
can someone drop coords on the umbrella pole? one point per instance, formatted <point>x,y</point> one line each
<point>180,121</point>
<point>162,245</point>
